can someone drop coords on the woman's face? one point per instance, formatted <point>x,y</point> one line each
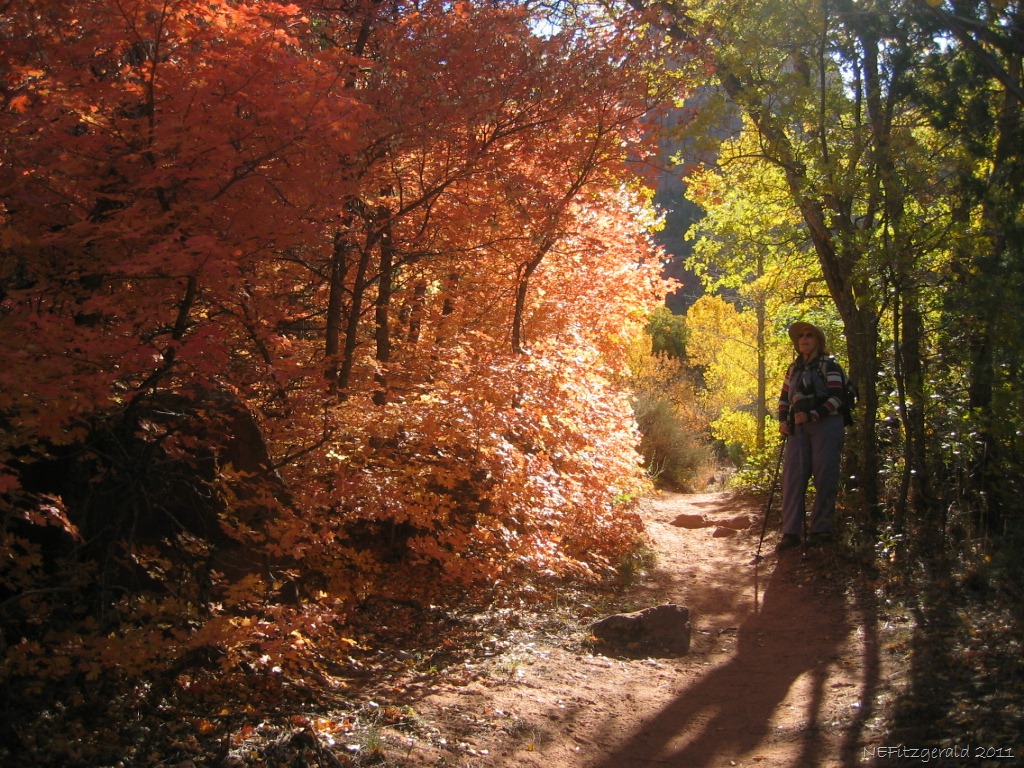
<point>807,343</point>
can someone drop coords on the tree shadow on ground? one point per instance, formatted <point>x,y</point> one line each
<point>962,702</point>
<point>794,639</point>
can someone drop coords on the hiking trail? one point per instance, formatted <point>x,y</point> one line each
<point>784,669</point>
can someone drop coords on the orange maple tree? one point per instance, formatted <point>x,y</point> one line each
<point>304,304</point>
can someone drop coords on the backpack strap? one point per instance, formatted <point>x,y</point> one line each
<point>826,408</point>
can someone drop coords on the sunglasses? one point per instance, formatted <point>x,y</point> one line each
<point>807,335</point>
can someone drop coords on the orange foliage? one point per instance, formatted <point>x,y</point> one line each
<point>398,241</point>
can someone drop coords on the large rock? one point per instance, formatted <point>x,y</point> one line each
<point>736,522</point>
<point>661,628</point>
<point>187,475</point>
<point>687,520</point>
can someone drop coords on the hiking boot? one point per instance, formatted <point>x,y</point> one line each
<point>819,539</point>
<point>789,540</point>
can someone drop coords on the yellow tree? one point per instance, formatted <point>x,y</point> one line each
<point>719,343</point>
<point>749,252</point>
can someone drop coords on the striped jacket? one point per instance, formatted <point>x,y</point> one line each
<point>821,379</point>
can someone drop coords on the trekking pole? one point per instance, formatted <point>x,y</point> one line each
<point>771,496</point>
<point>803,519</point>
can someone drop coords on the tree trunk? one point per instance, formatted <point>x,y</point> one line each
<point>419,301</point>
<point>908,353</point>
<point>762,376</point>
<point>348,355</point>
<point>383,306</point>
<point>335,308</point>
<point>525,272</point>
<point>988,295</point>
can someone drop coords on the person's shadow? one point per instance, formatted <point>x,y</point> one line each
<point>731,711</point>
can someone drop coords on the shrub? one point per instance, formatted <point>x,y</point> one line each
<point>674,453</point>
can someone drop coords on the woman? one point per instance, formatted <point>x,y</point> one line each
<point>811,421</point>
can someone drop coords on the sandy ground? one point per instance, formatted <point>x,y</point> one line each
<point>782,670</point>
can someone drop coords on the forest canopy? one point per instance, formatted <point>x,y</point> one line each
<point>870,187</point>
<point>304,305</point>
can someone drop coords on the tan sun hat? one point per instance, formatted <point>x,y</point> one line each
<point>800,327</point>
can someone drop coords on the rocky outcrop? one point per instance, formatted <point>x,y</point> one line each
<point>663,629</point>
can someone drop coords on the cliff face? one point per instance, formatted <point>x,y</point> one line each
<point>683,147</point>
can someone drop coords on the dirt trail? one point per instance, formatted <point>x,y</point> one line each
<point>782,670</point>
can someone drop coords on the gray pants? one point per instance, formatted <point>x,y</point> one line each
<point>813,450</point>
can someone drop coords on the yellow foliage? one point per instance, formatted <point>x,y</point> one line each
<point>723,341</point>
<point>736,428</point>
